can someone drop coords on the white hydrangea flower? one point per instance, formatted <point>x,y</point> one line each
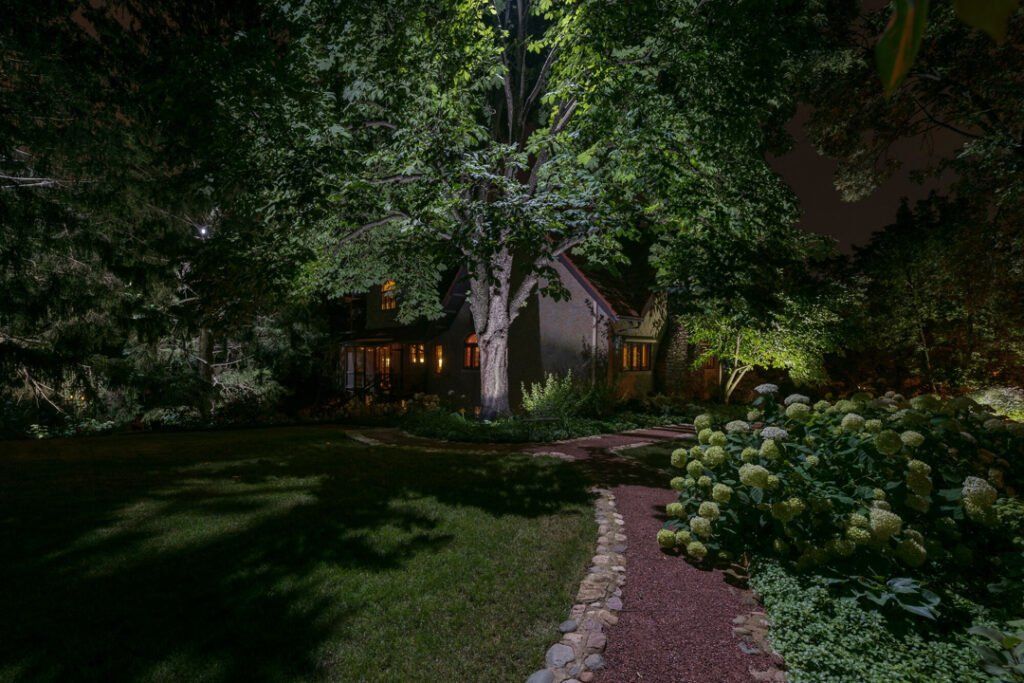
<point>774,433</point>
<point>737,426</point>
<point>767,388</point>
<point>912,439</point>
<point>852,422</point>
<point>797,398</point>
<point>798,411</point>
<point>979,492</point>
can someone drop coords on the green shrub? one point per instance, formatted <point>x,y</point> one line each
<point>177,417</point>
<point>451,426</point>
<point>556,397</point>
<point>1005,401</point>
<point>246,396</point>
<point>883,487</point>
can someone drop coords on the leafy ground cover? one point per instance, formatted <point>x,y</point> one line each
<point>285,554</point>
<point>826,637</point>
<point>453,426</point>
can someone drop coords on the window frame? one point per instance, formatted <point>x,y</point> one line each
<point>417,354</point>
<point>471,352</point>
<point>636,356</point>
<point>388,300</point>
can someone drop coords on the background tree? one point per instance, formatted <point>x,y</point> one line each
<point>945,279</point>
<point>124,193</point>
<point>770,300</point>
<point>497,136</point>
<point>951,321</point>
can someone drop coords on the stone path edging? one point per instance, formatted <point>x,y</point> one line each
<point>576,657</point>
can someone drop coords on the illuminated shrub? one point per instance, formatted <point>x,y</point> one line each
<point>863,482</point>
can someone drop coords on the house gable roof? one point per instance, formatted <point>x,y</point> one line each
<point>621,291</point>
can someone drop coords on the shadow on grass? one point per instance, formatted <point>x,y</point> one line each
<point>217,556</point>
<point>641,466</point>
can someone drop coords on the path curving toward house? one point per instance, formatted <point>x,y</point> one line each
<point>677,621</point>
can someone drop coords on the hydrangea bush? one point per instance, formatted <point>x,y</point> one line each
<point>896,485</point>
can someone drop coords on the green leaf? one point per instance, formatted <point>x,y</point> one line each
<point>898,46</point>
<point>920,611</point>
<point>991,16</point>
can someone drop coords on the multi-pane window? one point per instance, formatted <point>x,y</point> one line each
<point>417,354</point>
<point>636,356</point>
<point>438,358</point>
<point>471,353</point>
<point>388,302</point>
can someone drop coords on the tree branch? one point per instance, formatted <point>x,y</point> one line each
<point>366,227</point>
<point>397,179</point>
<point>542,77</point>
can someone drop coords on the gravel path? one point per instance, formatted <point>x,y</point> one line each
<point>677,620</point>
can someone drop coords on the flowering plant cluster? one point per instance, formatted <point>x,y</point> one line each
<point>885,482</point>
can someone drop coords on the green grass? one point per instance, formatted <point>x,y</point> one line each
<point>282,554</point>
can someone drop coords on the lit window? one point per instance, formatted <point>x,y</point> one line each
<point>438,358</point>
<point>417,354</point>
<point>636,356</point>
<point>471,353</point>
<point>388,302</point>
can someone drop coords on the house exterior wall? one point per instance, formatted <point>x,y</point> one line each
<point>578,334</point>
<point>572,330</point>
<point>649,328</point>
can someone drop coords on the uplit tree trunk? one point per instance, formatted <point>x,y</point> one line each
<point>494,400</point>
<point>495,304</point>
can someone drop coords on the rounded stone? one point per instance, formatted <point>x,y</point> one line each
<point>594,662</point>
<point>559,655</point>
<point>542,676</point>
<point>567,626</point>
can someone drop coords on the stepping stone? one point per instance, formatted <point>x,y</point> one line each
<point>542,676</point>
<point>559,655</point>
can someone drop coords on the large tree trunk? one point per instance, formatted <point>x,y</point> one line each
<point>494,375</point>
<point>495,305</point>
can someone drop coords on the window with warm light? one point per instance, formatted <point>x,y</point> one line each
<point>438,358</point>
<point>471,353</point>
<point>388,302</point>
<point>636,356</point>
<point>417,354</point>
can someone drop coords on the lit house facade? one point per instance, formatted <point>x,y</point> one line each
<point>611,328</point>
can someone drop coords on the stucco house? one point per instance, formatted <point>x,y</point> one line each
<point>611,328</point>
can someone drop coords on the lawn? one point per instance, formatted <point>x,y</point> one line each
<point>282,554</point>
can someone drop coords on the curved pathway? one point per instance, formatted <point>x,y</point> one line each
<point>677,621</point>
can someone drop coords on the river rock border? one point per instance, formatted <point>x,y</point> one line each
<point>578,655</point>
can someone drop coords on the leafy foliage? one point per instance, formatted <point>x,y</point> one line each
<point>875,487</point>
<point>1004,657</point>
<point>825,637</point>
<point>949,321</point>
<point>555,397</point>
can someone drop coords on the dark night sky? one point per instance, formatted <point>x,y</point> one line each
<point>851,223</point>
